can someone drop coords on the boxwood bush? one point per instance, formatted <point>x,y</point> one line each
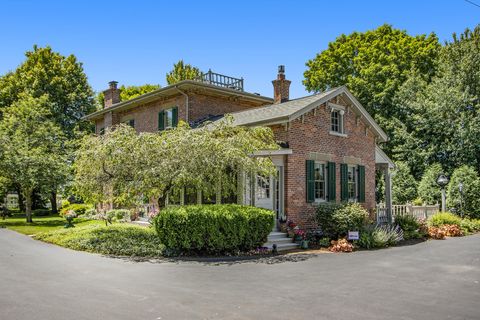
<point>213,229</point>
<point>335,220</point>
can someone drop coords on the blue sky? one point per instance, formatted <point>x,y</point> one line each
<point>136,42</point>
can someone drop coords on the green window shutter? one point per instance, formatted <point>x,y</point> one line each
<point>174,116</point>
<point>361,183</point>
<point>161,121</point>
<point>310,177</point>
<point>331,181</point>
<point>344,181</point>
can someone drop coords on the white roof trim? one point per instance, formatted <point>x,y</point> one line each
<point>382,158</point>
<point>262,153</point>
<point>358,106</point>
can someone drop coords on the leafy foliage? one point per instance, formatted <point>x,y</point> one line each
<point>373,65</point>
<point>124,167</point>
<point>404,186</point>
<point>118,240</point>
<point>380,236</point>
<point>78,208</point>
<point>48,73</point>
<point>182,71</point>
<point>213,228</point>
<point>335,220</point>
<point>428,189</point>
<point>442,218</point>
<point>467,204</point>
<point>31,147</point>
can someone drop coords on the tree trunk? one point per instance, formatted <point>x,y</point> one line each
<point>28,206</point>
<point>21,199</point>
<point>53,201</point>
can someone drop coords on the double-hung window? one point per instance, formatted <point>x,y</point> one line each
<point>337,123</point>
<point>320,174</point>
<point>352,183</point>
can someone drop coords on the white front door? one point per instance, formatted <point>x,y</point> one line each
<point>264,192</point>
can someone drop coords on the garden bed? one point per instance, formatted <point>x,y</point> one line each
<point>115,240</point>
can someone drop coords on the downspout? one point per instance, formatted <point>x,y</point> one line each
<point>186,102</point>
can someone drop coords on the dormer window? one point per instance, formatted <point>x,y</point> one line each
<point>337,123</point>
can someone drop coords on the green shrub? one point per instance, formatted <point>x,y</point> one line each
<point>118,215</point>
<point>118,239</point>
<point>324,242</point>
<point>441,218</point>
<point>468,204</point>
<point>469,226</point>
<point>407,222</point>
<point>65,203</point>
<point>223,228</point>
<point>335,220</point>
<point>41,212</point>
<point>380,236</point>
<point>78,208</point>
<point>410,226</point>
<point>90,213</point>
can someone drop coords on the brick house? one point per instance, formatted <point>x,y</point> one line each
<point>329,141</point>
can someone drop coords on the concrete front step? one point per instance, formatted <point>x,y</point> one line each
<point>281,240</point>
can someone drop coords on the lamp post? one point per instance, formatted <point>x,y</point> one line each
<point>442,181</point>
<point>460,189</point>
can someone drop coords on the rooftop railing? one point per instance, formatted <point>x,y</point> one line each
<point>221,80</point>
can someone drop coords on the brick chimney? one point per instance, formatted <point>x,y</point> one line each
<point>281,86</point>
<point>111,95</point>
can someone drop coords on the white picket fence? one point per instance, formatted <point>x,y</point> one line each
<point>420,212</point>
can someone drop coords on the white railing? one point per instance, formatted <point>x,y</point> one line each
<point>420,212</point>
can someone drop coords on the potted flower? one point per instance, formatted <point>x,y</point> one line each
<point>299,235</point>
<point>291,228</point>
<point>282,224</point>
<point>69,216</point>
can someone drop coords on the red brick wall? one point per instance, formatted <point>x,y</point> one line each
<point>200,105</point>
<point>312,135</point>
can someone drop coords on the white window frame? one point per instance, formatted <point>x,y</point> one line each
<point>263,188</point>
<point>354,169</point>
<point>325,181</point>
<point>340,110</point>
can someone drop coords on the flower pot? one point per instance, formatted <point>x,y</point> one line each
<point>304,244</point>
<point>298,238</point>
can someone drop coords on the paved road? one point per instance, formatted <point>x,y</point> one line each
<point>431,280</point>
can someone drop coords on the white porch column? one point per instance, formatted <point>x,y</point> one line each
<point>388,193</point>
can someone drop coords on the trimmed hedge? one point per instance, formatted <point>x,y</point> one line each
<point>41,212</point>
<point>221,228</point>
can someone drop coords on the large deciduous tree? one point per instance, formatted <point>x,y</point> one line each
<point>31,147</point>
<point>373,65</point>
<point>62,78</point>
<point>182,71</point>
<point>122,167</point>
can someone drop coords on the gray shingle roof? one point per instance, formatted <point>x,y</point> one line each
<point>290,110</point>
<point>279,111</point>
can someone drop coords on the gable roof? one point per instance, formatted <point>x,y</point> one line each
<point>292,109</point>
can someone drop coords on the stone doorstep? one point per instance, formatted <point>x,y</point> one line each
<point>281,240</point>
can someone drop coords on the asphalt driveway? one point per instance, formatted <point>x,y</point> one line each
<point>430,280</point>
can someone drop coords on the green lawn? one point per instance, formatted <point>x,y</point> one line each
<point>41,224</point>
